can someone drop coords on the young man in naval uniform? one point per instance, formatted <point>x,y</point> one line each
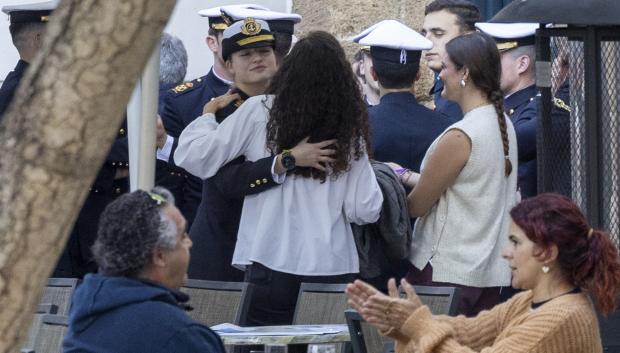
<point>443,21</point>
<point>27,30</point>
<point>181,105</point>
<point>248,52</point>
<point>515,42</point>
<point>401,129</point>
<point>27,26</point>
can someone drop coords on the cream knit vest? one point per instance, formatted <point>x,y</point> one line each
<point>464,232</point>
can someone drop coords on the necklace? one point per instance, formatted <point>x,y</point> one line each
<point>477,106</point>
<point>535,306</point>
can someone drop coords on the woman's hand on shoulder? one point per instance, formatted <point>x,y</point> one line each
<point>314,155</point>
<point>220,102</point>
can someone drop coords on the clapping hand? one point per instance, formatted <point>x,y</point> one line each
<point>383,311</point>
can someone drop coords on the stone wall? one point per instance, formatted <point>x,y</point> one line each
<point>345,18</point>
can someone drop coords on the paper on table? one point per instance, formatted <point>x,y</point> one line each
<point>288,330</point>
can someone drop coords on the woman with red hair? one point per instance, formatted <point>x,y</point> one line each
<point>555,256</point>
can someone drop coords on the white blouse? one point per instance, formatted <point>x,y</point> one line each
<point>301,227</point>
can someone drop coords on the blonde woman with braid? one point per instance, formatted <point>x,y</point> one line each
<point>467,183</point>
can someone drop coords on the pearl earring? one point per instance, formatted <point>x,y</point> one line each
<point>545,269</point>
<point>463,82</point>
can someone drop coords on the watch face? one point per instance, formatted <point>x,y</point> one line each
<point>288,162</point>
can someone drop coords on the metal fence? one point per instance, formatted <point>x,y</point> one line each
<point>578,71</point>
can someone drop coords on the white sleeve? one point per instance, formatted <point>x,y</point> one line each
<point>205,146</point>
<point>363,198</point>
<point>164,152</point>
<point>278,178</point>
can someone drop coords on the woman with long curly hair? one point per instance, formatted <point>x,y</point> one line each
<point>562,264</point>
<point>300,231</point>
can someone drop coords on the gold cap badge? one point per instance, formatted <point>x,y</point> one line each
<point>250,27</point>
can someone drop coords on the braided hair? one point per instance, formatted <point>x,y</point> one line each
<point>485,71</point>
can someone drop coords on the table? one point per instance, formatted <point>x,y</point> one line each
<point>296,342</point>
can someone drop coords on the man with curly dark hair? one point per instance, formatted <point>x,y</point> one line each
<point>134,303</point>
<point>300,231</point>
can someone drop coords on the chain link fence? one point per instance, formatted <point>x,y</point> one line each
<point>581,134</point>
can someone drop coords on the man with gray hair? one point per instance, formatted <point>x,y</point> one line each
<point>134,303</point>
<point>172,64</point>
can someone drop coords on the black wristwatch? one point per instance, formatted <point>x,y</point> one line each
<point>288,161</point>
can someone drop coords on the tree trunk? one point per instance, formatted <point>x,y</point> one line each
<point>56,135</point>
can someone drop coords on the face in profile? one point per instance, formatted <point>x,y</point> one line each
<point>510,73</point>
<point>365,69</point>
<point>524,265</point>
<point>251,66</point>
<point>439,27</point>
<point>451,77</point>
<point>214,42</point>
<point>177,259</point>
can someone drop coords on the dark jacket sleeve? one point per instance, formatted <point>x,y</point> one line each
<point>525,129</point>
<point>171,117</point>
<point>240,178</point>
<point>195,338</point>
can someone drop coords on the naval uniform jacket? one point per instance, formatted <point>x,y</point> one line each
<point>9,86</point>
<point>521,108</point>
<point>401,129</point>
<point>559,143</point>
<point>76,259</point>
<point>446,107</point>
<point>181,105</point>
<point>214,232</point>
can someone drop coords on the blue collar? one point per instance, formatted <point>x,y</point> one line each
<point>519,98</point>
<point>396,97</point>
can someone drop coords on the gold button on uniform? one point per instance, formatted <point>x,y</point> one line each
<point>252,185</point>
<point>265,181</point>
<point>257,181</point>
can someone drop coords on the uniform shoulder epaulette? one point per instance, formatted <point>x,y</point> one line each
<point>186,86</point>
<point>560,104</point>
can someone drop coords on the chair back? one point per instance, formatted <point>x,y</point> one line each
<point>218,302</point>
<point>59,292</point>
<point>320,303</point>
<point>51,333</point>
<point>610,332</point>
<point>35,324</point>
<point>441,300</point>
<point>364,337</point>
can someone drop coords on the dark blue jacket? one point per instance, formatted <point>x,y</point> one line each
<point>521,108</point>
<point>401,129</point>
<point>444,106</point>
<point>559,169</point>
<point>181,105</point>
<point>214,232</point>
<point>9,86</point>
<point>120,314</point>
